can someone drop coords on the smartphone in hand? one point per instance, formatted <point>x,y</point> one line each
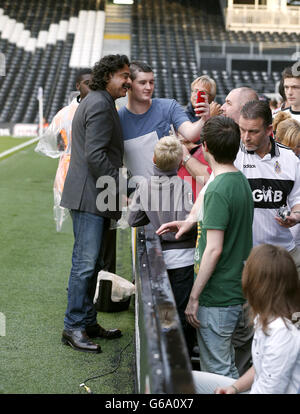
<point>200,99</point>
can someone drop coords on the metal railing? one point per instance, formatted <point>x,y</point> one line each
<point>162,360</point>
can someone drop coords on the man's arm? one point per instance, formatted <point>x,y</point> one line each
<point>210,258</point>
<point>197,170</point>
<point>191,130</point>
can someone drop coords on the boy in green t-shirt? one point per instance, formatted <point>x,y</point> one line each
<point>216,300</point>
<point>224,243</point>
<point>228,208</point>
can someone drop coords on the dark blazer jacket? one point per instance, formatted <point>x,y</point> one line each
<point>97,151</point>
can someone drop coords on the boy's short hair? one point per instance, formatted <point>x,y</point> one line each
<point>168,153</point>
<point>136,67</point>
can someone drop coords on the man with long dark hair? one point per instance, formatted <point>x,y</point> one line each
<point>97,151</point>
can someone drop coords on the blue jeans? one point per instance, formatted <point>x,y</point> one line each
<point>86,263</point>
<point>182,280</point>
<point>217,325</point>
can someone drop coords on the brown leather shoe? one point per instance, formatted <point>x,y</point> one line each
<point>79,341</point>
<point>96,331</point>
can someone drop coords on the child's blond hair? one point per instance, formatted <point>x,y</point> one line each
<point>287,130</point>
<point>168,153</point>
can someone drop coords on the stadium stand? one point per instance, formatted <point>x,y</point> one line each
<point>45,42</point>
<point>37,39</point>
<point>181,39</point>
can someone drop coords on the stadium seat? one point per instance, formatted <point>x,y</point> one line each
<point>36,39</point>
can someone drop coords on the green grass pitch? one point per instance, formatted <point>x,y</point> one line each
<point>35,263</point>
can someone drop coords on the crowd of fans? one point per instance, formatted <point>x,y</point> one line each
<point>220,184</point>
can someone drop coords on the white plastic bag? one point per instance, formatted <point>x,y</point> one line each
<point>121,289</point>
<point>56,143</point>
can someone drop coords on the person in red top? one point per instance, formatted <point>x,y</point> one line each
<point>194,172</point>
